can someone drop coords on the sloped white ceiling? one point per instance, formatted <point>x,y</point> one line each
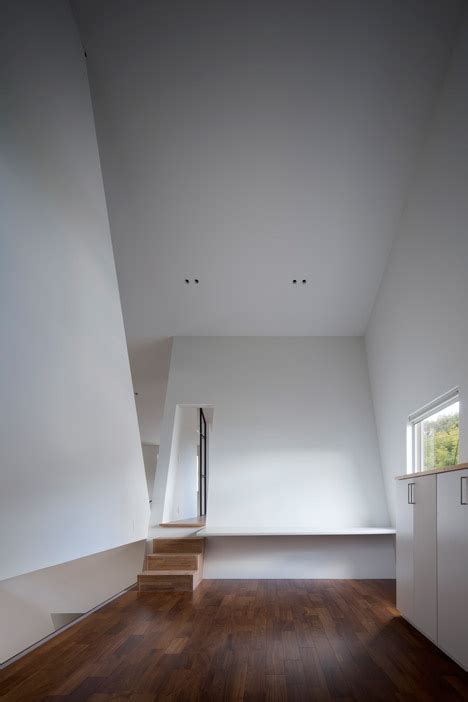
<point>250,143</point>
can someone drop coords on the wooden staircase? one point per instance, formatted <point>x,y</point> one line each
<point>176,565</point>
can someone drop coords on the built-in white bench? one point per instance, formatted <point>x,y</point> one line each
<point>300,552</point>
<point>275,552</point>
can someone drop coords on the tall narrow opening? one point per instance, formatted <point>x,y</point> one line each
<point>202,464</point>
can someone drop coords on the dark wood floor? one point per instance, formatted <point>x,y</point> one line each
<point>241,640</point>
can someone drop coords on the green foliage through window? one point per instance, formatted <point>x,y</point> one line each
<point>440,439</point>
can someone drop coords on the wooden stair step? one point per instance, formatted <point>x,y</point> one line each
<point>168,581</point>
<point>190,544</point>
<point>173,561</point>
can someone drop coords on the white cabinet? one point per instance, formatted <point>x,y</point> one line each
<point>425,555</point>
<point>452,565</point>
<point>432,558</point>
<point>416,545</point>
<point>405,549</point>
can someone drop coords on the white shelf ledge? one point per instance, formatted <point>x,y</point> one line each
<point>275,531</point>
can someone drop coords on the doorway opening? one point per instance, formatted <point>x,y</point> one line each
<point>188,478</point>
<point>202,464</point>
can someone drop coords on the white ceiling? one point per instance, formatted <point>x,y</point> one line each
<point>249,143</point>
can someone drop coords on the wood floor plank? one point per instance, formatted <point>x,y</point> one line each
<point>241,641</point>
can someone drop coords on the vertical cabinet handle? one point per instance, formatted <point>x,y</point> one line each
<point>411,493</point>
<point>464,490</point>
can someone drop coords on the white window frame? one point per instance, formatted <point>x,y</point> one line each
<point>414,427</point>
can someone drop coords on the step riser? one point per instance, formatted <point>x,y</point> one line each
<point>174,546</point>
<point>167,583</point>
<point>172,562</point>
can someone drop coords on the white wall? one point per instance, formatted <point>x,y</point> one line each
<point>150,459</point>
<point>181,496</point>
<point>186,483</point>
<point>293,440</point>
<point>72,475</point>
<point>417,339</point>
<point>27,602</point>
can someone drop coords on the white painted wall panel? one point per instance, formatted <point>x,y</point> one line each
<point>72,475</point>
<point>293,441</point>
<point>184,498</point>
<point>418,336</point>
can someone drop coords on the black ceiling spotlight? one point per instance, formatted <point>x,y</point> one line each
<point>187,281</point>
<point>304,281</point>
<point>196,281</point>
<point>294,281</point>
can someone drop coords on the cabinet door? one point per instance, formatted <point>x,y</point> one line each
<point>404,548</point>
<point>452,562</point>
<point>425,555</point>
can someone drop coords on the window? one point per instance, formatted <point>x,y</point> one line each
<point>435,434</point>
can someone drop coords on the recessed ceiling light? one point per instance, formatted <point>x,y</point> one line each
<point>294,281</point>
<point>304,281</point>
<point>196,281</point>
<point>187,281</point>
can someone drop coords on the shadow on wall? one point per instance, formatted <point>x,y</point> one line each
<point>150,458</point>
<point>60,619</point>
